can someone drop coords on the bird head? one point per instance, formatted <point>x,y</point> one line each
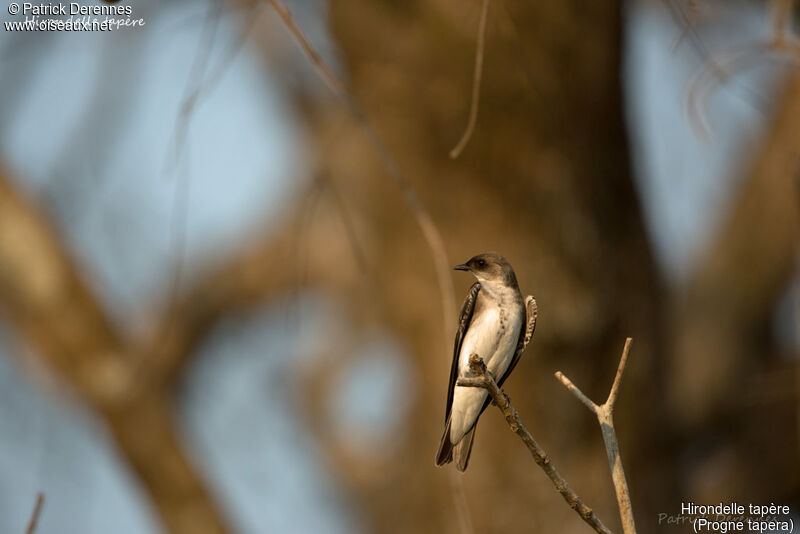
<point>490,267</point>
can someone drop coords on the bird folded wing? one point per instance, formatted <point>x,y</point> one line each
<point>531,311</point>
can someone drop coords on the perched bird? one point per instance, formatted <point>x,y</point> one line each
<point>496,325</point>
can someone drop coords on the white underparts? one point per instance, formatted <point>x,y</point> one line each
<point>492,334</point>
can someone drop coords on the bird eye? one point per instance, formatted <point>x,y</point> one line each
<point>481,263</point>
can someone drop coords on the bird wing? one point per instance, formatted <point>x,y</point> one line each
<point>525,335</point>
<point>464,318</point>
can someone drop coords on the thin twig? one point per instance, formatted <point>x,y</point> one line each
<point>476,84</point>
<point>481,378</point>
<point>193,87</point>
<point>424,220</point>
<point>333,81</point>
<point>175,161</point>
<point>612,395</point>
<point>605,413</point>
<point>200,84</point>
<point>37,512</point>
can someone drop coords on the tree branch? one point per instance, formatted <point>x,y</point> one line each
<point>35,514</point>
<point>604,414</point>
<point>481,378</point>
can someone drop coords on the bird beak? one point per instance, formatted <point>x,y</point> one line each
<point>461,267</point>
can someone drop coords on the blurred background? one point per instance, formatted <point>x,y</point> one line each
<point>218,312</point>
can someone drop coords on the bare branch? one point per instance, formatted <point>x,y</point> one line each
<point>605,418</point>
<point>612,396</point>
<point>483,379</point>
<point>476,84</point>
<point>35,514</point>
<point>577,392</point>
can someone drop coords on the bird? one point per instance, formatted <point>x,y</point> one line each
<point>496,324</point>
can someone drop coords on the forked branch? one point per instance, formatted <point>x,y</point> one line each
<point>604,413</point>
<point>481,378</point>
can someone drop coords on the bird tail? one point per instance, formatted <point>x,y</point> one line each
<point>445,454</point>
<point>463,449</point>
<point>460,451</point>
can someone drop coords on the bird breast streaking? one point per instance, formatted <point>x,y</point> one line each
<point>496,325</point>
